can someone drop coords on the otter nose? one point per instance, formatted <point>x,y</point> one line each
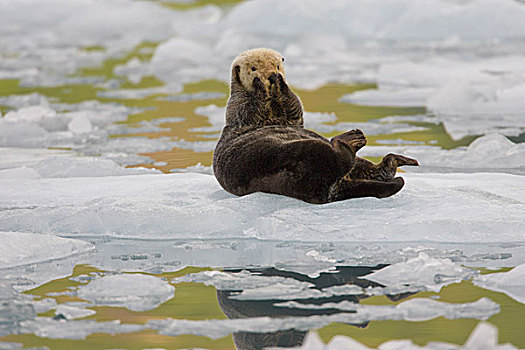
<point>273,78</point>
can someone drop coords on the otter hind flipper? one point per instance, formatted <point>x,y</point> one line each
<point>346,188</point>
<point>354,137</point>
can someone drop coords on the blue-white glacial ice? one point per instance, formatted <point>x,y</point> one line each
<point>486,208</point>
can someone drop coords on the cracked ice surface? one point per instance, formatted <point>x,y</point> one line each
<point>136,292</point>
<point>153,206</point>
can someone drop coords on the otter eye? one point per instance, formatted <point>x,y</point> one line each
<point>254,69</point>
<point>282,59</point>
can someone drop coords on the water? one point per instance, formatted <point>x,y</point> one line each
<point>104,249</point>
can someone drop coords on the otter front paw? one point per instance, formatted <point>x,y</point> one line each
<point>259,88</point>
<point>355,138</point>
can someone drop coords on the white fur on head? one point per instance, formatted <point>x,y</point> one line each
<point>259,63</point>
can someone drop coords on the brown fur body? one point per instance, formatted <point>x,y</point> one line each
<point>264,147</point>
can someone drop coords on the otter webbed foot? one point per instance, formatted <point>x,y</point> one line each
<point>392,161</point>
<point>355,138</point>
<point>347,189</point>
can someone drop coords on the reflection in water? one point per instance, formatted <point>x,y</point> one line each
<point>342,275</point>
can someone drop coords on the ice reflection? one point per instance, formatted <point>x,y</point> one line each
<point>235,308</point>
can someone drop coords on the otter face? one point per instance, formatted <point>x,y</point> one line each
<point>260,63</point>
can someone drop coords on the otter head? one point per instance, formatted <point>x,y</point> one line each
<point>260,63</point>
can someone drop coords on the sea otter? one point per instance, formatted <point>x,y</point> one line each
<point>264,147</point>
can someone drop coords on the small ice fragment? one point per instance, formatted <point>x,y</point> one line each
<point>136,292</point>
<point>80,125</point>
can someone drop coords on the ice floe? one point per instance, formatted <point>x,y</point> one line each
<point>483,337</point>
<point>136,292</point>
<point>71,312</point>
<point>472,97</point>
<point>487,208</point>
<point>20,248</point>
<point>354,41</point>
<point>408,310</point>
<point>489,153</point>
<point>316,121</point>
<point>423,272</point>
<point>511,283</point>
<point>86,128</point>
<point>60,329</point>
<point>43,50</point>
<point>415,310</point>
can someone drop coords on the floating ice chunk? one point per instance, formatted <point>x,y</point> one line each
<point>19,101</point>
<point>216,117</point>
<point>511,283</point>
<point>139,93</point>
<point>433,274</point>
<point>467,109</point>
<point>73,312</point>
<point>415,310</point>
<point>243,280</point>
<point>80,125</point>
<point>198,169</point>
<point>391,97</point>
<point>195,96</point>
<point>32,114</point>
<point>44,305</point>
<point>470,98</point>
<point>320,122</point>
<point>136,292</point>
<point>50,45</point>
<point>48,328</point>
<point>489,153</point>
<point>409,310</point>
<point>134,70</point>
<point>19,248</point>
<point>483,337</point>
<point>196,146</point>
